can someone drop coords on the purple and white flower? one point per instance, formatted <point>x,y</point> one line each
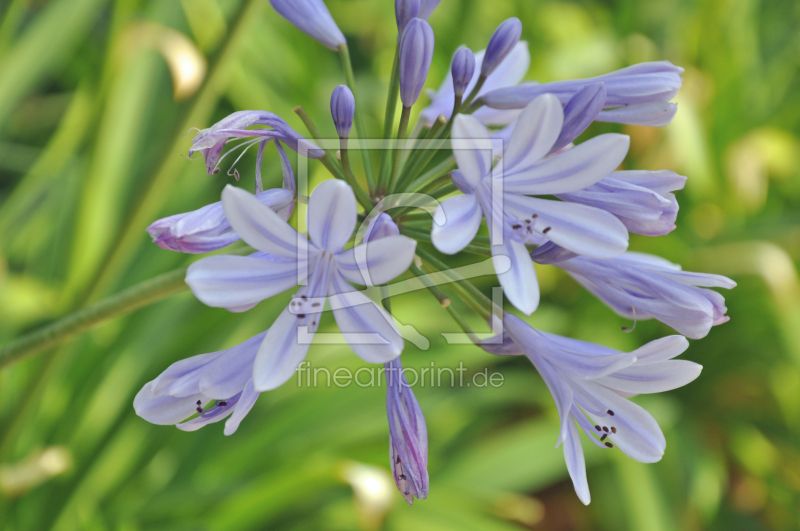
<point>322,265</point>
<point>591,384</point>
<point>508,73</point>
<point>211,141</point>
<point>642,200</point>
<point>408,436</point>
<point>189,386</point>
<point>643,286</point>
<point>501,195</point>
<point>639,94</point>
<point>312,18</point>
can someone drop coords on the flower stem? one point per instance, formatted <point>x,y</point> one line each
<point>361,195</point>
<point>426,237</point>
<point>444,167</point>
<point>401,138</point>
<point>131,299</point>
<point>329,159</point>
<point>344,54</point>
<point>445,302</point>
<point>420,148</point>
<point>474,93</point>
<point>388,123</point>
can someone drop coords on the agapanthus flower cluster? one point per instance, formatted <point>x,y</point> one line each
<point>512,184</point>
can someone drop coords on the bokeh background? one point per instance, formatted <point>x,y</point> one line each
<point>95,98</point>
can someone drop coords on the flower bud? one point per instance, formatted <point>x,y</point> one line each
<point>408,435</point>
<point>343,106</point>
<point>416,53</point>
<point>312,18</point>
<point>503,40</point>
<point>579,113</point>
<point>404,11</point>
<point>381,227</point>
<point>463,69</point>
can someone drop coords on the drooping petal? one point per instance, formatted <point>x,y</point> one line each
<point>571,170</point>
<point>332,215</point>
<point>377,262</point>
<point>581,229</point>
<point>367,328</point>
<point>471,148</point>
<point>236,282</point>
<point>182,378</point>
<point>164,409</point>
<point>243,407</point>
<point>579,112</point>
<point>461,216</point>
<point>519,280</point>
<point>576,464</point>
<point>637,433</point>
<point>258,225</point>
<point>659,350</point>
<point>652,378</point>
<point>536,132</point>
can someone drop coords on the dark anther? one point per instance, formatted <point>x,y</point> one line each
<point>199,402</point>
<point>315,304</point>
<point>223,403</point>
<point>406,493</point>
<point>314,323</point>
<point>535,216</point>
<point>216,171</point>
<point>545,231</point>
<point>236,174</point>
<point>402,476</point>
<point>605,429</point>
<point>398,459</point>
<point>515,227</point>
<point>597,428</point>
<point>304,297</point>
<point>301,316</point>
<point>199,409</point>
<point>613,429</point>
<point>610,412</point>
<point>608,444</point>
<point>603,438</point>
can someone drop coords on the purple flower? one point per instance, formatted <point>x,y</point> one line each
<point>505,203</point>
<point>462,70</point>
<point>640,199</point>
<point>507,74</point>
<point>322,265</point>
<point>638,94</point>
<point>343,107</point>
<point>503,40</point>
<point>643,286</point>
<point>188,386</point>
<point>416,53</point>
<point>590,385</point>
<point>408,436</point>
<point>312,18</point>
<point>207,229</point>
<point>404,11</point>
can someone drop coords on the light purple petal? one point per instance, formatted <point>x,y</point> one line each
<point>519,280</point>
<point>652,378</point>
<point>583,230</point>
<point>377,262</point>
<point>537,129</point>
<point>258,225</point>
<point>367,328</point>
<point>332,215</point>
<point>243,407</point>
<point>164,409</point>
<point>182,378</point>
<point>471,148</point>
<point>654,114</point>
<point>229,373</point>
<point>576,465</point>
<point>233,282</point>
<point>461,217</point>
<point>312,18</point>
<point>571,170</point>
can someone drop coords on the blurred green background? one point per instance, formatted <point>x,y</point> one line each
<point>95,98</point>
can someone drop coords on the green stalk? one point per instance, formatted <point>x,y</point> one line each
<point>426,237</point>
<point>469,287</point>
<point>329,158</point>
<point>475,90</point>
<point>441,169</point>
<point>344,54</point>
<point>445,302</point>
<point>436,194</point>
<point>388,122</point>
<point>361,195</point>
<point>131,299</point>
<point>401,138</point>
<point>433,134</point>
